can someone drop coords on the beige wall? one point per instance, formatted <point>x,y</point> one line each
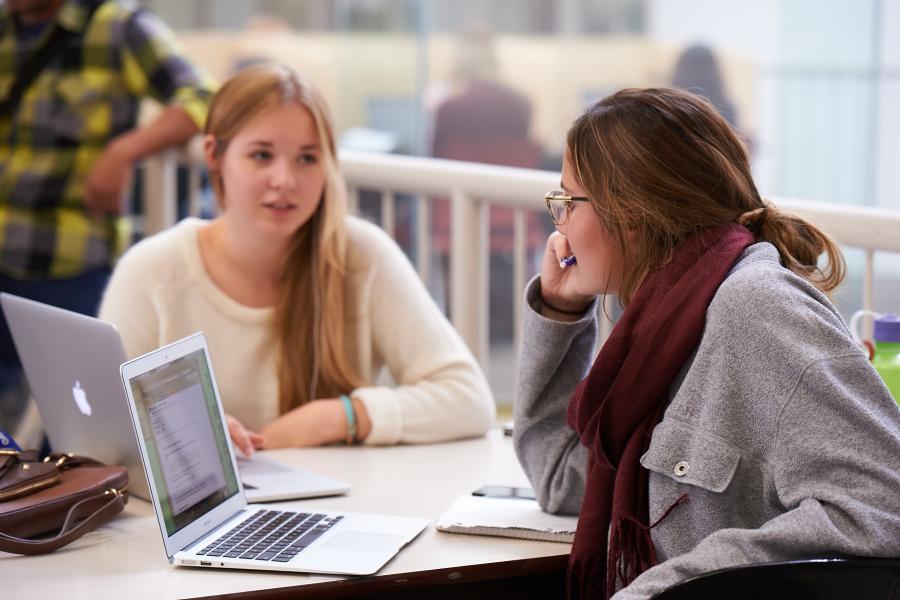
<point>554,73</point>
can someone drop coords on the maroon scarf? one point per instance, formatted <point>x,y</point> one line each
<point>616,407</point>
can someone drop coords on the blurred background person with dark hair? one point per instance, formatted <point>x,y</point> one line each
<point>697,71</point>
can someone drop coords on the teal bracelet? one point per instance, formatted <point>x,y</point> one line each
<point>351,419</point>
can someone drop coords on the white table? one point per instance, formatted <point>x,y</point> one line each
<point>126,559</point>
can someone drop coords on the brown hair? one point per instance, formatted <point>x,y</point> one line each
<point>312,325</point>
<point>661,164</point>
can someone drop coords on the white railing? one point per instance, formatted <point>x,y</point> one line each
<point>472,188</point>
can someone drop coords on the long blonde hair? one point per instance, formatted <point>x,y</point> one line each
<point>312,324</point>
<point>661,164</point>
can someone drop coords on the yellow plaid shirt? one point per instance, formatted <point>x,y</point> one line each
<point>88,94</point>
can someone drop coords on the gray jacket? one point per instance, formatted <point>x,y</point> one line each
<point>778,429</point>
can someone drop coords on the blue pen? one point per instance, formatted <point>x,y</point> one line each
<point>567,262</point>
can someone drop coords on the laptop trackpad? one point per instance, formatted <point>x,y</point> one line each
<point>254,467</point>
<point>360,541</point>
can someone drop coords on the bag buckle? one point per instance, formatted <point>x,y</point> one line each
<point>59,461</point>
<point>115,492</point>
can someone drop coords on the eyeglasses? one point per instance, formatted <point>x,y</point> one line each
<point>560,205</point>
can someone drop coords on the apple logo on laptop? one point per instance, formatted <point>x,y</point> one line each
<point>81,399</point>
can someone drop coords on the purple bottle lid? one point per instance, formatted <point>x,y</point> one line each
<point>887,328</point>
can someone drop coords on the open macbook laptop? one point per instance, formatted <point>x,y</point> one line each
<point>72,364</point>
<point>199,501</point>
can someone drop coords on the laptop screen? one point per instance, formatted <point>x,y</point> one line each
<point>185,438</point>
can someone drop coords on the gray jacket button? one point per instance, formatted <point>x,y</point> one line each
<point>681,468</point>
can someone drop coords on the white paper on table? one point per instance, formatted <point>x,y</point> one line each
<point>506,517</point>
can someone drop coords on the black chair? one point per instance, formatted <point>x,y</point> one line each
<point>818,579</point>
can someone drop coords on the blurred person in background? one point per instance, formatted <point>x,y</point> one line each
<point>486,121</point>
<point>697,71</point>
<point>72,76</point>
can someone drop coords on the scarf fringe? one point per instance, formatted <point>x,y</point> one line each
<point>631,549</point>
<point>631,552</point>
<point>586,579</point>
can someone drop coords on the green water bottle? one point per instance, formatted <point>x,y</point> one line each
<point>886,359</point>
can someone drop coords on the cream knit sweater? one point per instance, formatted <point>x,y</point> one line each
<point>160,292</point>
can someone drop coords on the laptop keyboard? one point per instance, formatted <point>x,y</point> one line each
<point>272,535</point>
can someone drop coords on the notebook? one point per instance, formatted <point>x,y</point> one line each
<point>506,517</point>
<point>198,498</point>
<point>72,364</point>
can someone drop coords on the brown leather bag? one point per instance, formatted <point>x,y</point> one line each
<point>46,504</point>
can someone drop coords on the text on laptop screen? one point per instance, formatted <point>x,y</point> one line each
<point>185,438</point>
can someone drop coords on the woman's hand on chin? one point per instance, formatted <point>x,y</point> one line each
<point>558,284</point>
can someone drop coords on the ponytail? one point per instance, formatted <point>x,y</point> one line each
<point>800,245</point>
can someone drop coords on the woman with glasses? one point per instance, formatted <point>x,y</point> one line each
<point>729,418</point>
<point>302,305</point>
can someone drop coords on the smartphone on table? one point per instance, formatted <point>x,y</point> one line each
<point>504,491</point>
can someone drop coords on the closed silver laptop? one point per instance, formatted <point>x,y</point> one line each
<point>72,365</point>
<point>71,362</point>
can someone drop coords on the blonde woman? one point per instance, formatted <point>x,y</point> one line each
<point>302,305</point>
